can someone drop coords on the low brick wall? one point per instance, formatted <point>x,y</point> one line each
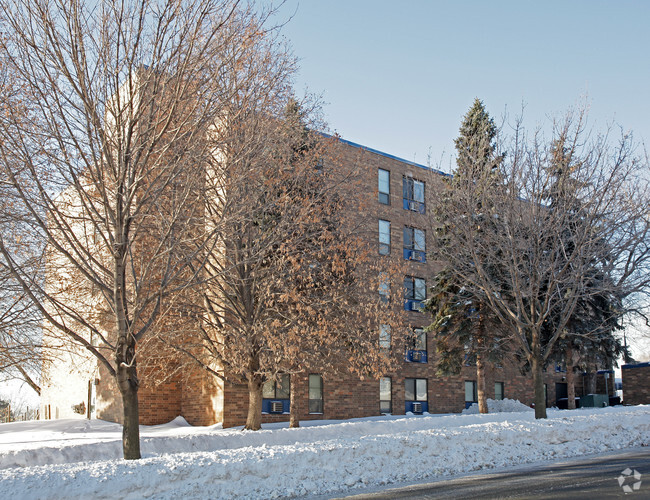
<point>636,383</point>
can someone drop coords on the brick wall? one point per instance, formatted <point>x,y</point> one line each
<point>636,383</point>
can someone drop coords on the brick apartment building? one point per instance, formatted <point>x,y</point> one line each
<point>397,224</point>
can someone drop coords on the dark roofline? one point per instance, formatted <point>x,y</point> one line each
<point>636,365</point>
<point>381,153</point>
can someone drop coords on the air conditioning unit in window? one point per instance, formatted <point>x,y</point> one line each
<point>276,407</point>
<point>416,356</point>
<point>414,206</point>
<point>417,408</point>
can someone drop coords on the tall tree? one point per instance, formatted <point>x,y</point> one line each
<point>515,256</point>
<point>291,287</point>
<point>461,321</point>
<point>113,149</point>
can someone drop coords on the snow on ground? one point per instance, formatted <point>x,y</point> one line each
<point>81,459</point>
<point>499,406</point>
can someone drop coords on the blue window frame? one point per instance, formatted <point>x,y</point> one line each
<point>416,348</point>
<point>415,395</point>
<point>413,194</point>
<point>415,292</point>
<point>414,244</point>
<point>276,395</point>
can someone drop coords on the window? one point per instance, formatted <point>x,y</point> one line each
<point>277,390</point>
<point>498,390</point>
<point>384,237</point>
<point>470,392</point>
<point>416,348</point>
<point>384,337</point>
<point>415,389</point>
<point>419,340</point>
<point>415,292</point>
<point>414,244</point>
<point>413,194</point>
<point>385,395</point>
<point>384,289</point>
<point>384,186</point>
<point>315,394</point>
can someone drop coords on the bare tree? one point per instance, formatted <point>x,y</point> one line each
<point>532,261</point>
<point>290,287</point>
<point>108,161</point>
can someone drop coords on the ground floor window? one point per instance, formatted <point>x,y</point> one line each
<point>498,390</point>
<point>315,394</point>
<point>471,395</point>
<point>280,389</point>
<point>385,395</point>
<point>276,395</point>
<point>415,395</point>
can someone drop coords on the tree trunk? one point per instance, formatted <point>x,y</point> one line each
<point>538,383</point>
<point>570,379</point>
<point>480,384</point>
<point>591,382</point>
<point>127,382</point>
<point>294,417</point>
<point>254,417</point>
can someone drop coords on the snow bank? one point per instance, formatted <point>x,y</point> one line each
<point>202,462</point>
<point>500,406</point>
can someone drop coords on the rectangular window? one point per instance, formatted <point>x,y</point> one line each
<point>416,347</point>
<point>384,337</point>
<point>415,291</point>
<point>384,237</point>
<point>315,394</point>
<point>419,340</point>
<point>498,390</point>
<point>277,390</point>
<point>385,395</point>
<point>413,194</point>
<point>384,289</point>
<point>470,391</point>
<point>414,244</point>
<point>415,389</point>
<point>384,186</point>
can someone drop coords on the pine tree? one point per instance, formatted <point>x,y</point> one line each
<point>464,328</point>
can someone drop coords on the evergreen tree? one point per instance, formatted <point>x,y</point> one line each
<point>464,328</point>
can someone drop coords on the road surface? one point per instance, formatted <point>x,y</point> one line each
<point>593,477</point>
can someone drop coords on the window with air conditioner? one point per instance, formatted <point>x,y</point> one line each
<point>414,244</point>
<point>415,292</point>
<point>415,392</point>
<point>416,347</point>
<point>413,194</point>
<point>276,395</point>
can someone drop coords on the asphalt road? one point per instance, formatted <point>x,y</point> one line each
<point>592,477</point>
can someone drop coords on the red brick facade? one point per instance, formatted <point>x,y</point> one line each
<point>203,400</point>
<point>636,384</point>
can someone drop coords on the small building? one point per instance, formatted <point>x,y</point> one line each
<point>636,383</point>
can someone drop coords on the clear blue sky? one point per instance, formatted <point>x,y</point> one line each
<point>399,75</point>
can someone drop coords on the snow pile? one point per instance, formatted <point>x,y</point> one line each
<point>500,406</point>
<point>82,461</point>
